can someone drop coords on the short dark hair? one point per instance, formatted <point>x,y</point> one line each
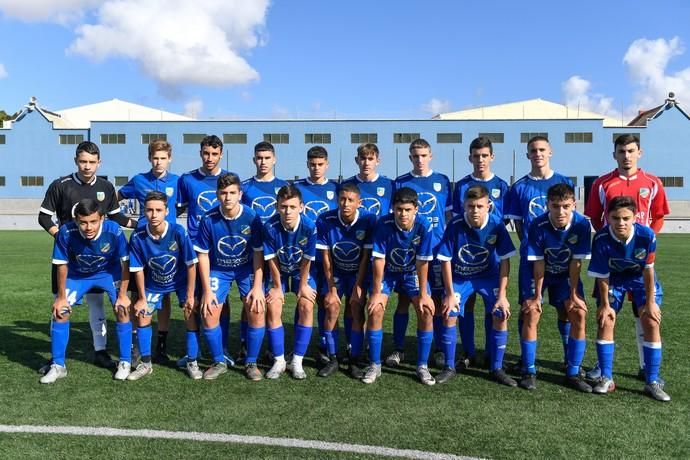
<point>620,202</point>
<point>86,207</point>
<point>419,144</point>
<point>288,191</point>
<point>476,192</point>
<point>264,146</point>
<point>625,139</point>
<point>349,187</point>
<point>538,138</point>
<point>211,141</point>
<point>317,152</point>
<point>560,192</point>
<point>88,147</point>
<point>156,195</point>
<point>226,180</point>
<point>366,149</point>
<point>406,195</point>
<point>481,142</point>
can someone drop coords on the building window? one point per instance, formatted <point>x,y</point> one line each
<point>405,138</point>
<point>32,181</point>
<point>146,139</point>
<point>192,138</point>
<point>121,180</point>
<point>113,138</point>
<point>364,138</point>
<point>277,138</point>
<point>449,138</point>
<point>71,139</point>
<point>2,138</point>
<point>574,179</point>
<point>578,138</point>
<point>2,181</point>
<point>616,135</point>
<point>495,138</point>
<point>235,138</point>
<point>525,137</point>
<point>672,181</point>
<point>317,138</point>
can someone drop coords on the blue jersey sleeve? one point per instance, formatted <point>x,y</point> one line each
<point>535,243</point>
<point>321,233</point>
<point>186,248</point>
<point>269,242</point>
<point>379,245</point>
<point>310,248</point>
<point>445,249</point>
<point>512,205</point>
<point>61,247</point>
<point>122,246</point>
<point>202,242</point>
<point>257,232</point>
<point>457,202</point>
<point>583,247</point>
<point>182,192</point>
<point>505,248</point>
<point>128,190</point>
<point>371,225</point>
<point>426,244</point>
<point>599,265</point>
<point>136,256</point>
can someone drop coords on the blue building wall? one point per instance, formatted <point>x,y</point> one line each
<point>32,149</point>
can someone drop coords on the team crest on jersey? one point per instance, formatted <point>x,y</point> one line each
<point>360,234</point>
<point>105,247</point>
<point>644,192</point>
<point>640,253</point>
<point>303,242</point>
<point>572,239</point>
<point>246,230</point>
<point>100,196</point>
<point>380,191</point>
<point>330,194</point>
<point>491,239</point>
<point>172,246</point>
<point>169,191</point>
<point>437,186</point>
<point>495,193</point>
<point>416,240</point>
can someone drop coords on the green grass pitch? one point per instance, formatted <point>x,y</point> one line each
<point>468,416</point>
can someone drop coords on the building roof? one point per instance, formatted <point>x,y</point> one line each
<point>645,115</point>
<point>532,109</point>
<point>114,110</point>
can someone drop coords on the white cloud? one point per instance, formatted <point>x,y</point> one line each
<point>176,41</point>
<point>3,71</point>
<point>436,106</point>
<point>193,108</point>
<point>577,93</point>
<point>59,11</point>
<point>647,62</point>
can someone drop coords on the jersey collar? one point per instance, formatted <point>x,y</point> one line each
<point>264,180</point>
<point>98,235</point>
<point>484,224</point>
<point>353,222</point>
<point>233,218</point>
<point>154,237</point>
<point>299,221</point>
<point>163,177</point>
<point>431,171</point>
<point>549,176</point>
<point>201,171</point>
<point>310,182</point>
<point>626,242</point>
<point>567,226</point>
<point>75,176</point>
<point>483,180</point>
<point>365,181</point>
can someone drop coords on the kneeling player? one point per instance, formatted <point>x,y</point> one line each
<point>163,261</point>
<point>91,256</point>
<point>557,243</point>
<point>623,255</point>
<point>289,241</point>
<point>229,248</point>
<point>344,239</point>
<point>402,249</point>
<point>475,255</point>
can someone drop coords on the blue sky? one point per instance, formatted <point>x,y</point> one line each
<point>347,59</point>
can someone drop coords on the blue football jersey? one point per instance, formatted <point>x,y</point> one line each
<point>317,198</point>
<point>163,260</point>
<point>345,242</point>
<point>261,196</point>
<point>527,200</point>
<point>140,185</point>
<point>197,191</point>
<point>556,247</point>
<point>289,247</point>
<point>401,248</point>
<point>622,261</point>
<point>88,257</point>
<point>497,187</point>
<point>229,243</point>
<point>475,252</point>
<point>434,199</point>
<point>376,194</point>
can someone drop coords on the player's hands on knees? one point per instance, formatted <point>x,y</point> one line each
<point>426,303</point>
<point>451,302</point>
<point>188,307</point>
<point>575,302</point>
<point>651,310</point>
<point>376,301</point>
<point>275,295</point>
<point>209,302</point>
<point>256,301</point>
<point>604,314</point>
<point>140,307</point>
<point>332,300</point>
<point>503,306</point>
<point>121,307</point>
<point>61,308</point>
<point>307,293</point>
<point>533,304</point>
